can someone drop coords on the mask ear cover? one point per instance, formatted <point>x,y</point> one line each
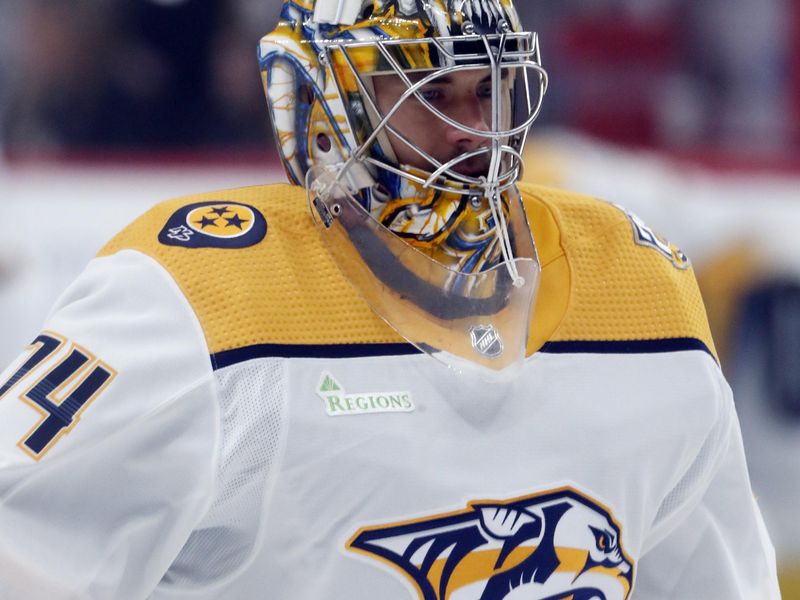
<point>304,130</point>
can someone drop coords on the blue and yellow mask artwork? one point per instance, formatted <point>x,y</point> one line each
<point>320,67</point>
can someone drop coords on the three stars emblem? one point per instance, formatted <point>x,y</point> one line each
<point>222,221</point>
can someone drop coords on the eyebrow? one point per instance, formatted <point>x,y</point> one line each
<point>418,76</point>
<point>447,79</point>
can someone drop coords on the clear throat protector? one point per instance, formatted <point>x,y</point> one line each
<point>444,253</point>
<point>472,322</point>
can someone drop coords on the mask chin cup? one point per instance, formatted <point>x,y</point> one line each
<point>472,322</point>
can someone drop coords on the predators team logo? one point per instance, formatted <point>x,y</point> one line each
<point>556,545</point>
<point>649,238</point>
<point>214,225</point>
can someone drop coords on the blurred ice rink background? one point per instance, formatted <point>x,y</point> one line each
<point>685,111</point>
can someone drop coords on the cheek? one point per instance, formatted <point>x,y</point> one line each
<point>421,127</point>
<point>415,123</point>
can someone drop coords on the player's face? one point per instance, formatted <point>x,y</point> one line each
<point>465,97</point>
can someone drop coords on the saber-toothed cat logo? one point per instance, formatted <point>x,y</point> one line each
<point>555,545</point>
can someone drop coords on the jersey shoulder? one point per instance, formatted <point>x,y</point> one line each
<point>626,282</point>
<point>253,269</point>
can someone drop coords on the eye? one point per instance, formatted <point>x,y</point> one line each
<point>431,94</point>
<point>484,90</point>
<point>603,539</point>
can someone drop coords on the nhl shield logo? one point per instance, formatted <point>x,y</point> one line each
<point>486,341</point>
<point>555,545</point>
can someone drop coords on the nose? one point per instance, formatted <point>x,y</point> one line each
<point>470,113</point>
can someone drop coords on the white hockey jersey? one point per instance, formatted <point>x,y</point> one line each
<point>211,412</point>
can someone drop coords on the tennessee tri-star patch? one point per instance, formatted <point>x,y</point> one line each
<point>555,545</point>
<point>214,224</point>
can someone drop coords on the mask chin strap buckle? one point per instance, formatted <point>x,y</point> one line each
<point>492,193</point>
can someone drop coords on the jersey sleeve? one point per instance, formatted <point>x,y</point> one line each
<point>108,437</point>
<point>710,540</point>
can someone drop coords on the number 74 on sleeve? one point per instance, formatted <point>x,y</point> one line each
<point>59,394</point>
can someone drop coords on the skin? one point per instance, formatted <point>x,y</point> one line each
<point>465,97</point>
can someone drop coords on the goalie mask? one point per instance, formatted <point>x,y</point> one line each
<point>436,241</point>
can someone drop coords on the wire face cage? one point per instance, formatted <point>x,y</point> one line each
<point>517,86</point>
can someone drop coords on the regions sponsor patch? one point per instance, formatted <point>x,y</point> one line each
<point>338,403</point>
<point>557,544</point>
<point>214,224</point>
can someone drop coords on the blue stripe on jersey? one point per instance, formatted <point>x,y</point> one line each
<point>627,347</point>
<point>227,358</point>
